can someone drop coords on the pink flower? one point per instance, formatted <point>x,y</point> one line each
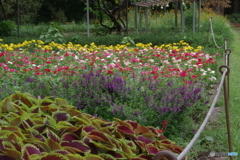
<point>48,62</point>
<point>183,73</point>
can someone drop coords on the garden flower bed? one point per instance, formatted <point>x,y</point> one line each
<point>160,86</point>
<point>172,60</point>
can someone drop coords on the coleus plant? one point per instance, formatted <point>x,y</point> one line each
<point>41,129</point>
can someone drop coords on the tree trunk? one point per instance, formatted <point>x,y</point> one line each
<point>4,14</point>
<point>236,6</point>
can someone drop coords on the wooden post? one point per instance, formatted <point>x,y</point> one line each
<point>176,12</point>
<point>18,19</point>
<point>88,32</point>
<point>194,16</point>
<point>199,15</point>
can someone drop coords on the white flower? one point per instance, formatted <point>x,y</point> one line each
<point>207,56</point>
<point>151,60</point>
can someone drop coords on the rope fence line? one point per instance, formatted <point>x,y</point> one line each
<point>224,83</point>
<point>213,36</point>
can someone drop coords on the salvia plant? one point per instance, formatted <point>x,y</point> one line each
<point>108,96</point>
<point>49,128</point>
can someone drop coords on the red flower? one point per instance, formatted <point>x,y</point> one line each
<point>153,72</point>
<point>183,73</point>
<point>159,130</point>
<point>109,72</point>
<point>194,76</point>
<point>47,70</point>
<point>155,77</point>
<point>37,73</point>
<point>48,62</point>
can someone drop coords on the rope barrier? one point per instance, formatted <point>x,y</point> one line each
<point>196,136</point>
<point>223,83</point>
<point>214,40</point>
<point>181,156</point>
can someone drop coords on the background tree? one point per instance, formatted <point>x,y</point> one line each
<point>217,5</point>
<point>28,9</point>
<point>112,14</point>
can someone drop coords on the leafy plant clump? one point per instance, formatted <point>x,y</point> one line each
<point>53,35</point>
<point>40,129</point>
<point>6,27</point>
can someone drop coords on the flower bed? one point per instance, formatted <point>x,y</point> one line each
<point>172,60</point>
<point>148,84</point>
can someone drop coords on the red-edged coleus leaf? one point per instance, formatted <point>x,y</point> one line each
<point>125,130</point>
<point>1,145</point>
<point>40,128</point>
<point>116,154</point>
<point>139,158</point>
<point>145,156</point>
<point>79,146</point>
<point>54,156</point>
<point>124,147</point>
<point>142,130</point>
<point>123,123</point>
<point>11,152</point>
<point>11,128</point>
<point>4,157</point>
<point>103,146</point>
<point>69,137</point>
<point>61,116</point>
<point>63,152</point>
<point>36,134</point>
<point>92,147</point>
<point>107,124</point>
<point>97,136</point>
<point>53,145</point>
<point>42,146</point>
<point>144,139</point>
<point>53,136</point>
<point>28,150</point>
<point>75,157</point>
<point>35,110</point>
<point>61,102</point>
<point>88,128</point>
<point>176,148</point>
<point>106,156</point>
<point>78,132</point>
<point>141,145</point>
<point>153,130</point>
<point>152,150</point>
<point>81,121</point>
<point>93,157</point>
<point>133,124</point>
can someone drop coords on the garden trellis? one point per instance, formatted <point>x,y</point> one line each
<point>147,4</point>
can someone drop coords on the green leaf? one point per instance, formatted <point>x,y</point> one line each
<point>61,102</point>
<point>209,138</point>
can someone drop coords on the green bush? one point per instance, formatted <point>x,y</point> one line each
<point>6,27</point>
<point>234,18</point>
